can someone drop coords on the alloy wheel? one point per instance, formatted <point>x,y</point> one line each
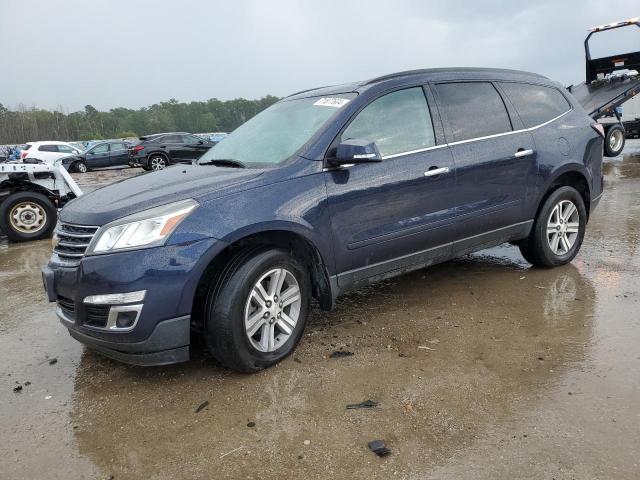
<point>563,227</point>
<point>272,310</point>
<point>158,163</point>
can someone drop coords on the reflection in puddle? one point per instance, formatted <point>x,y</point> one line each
<point>490,346</point>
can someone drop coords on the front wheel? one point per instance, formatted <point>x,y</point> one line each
<point>80,167</point>
<point>257,310</point>
<point>558,230</point>
<point>614,141</point>
<point>27,216</point>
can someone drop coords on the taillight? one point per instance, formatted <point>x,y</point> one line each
<point>137,148</point>
<point>23,155</point>
<point>598,128</point>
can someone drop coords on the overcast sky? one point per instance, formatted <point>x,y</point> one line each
<point>135,53</point>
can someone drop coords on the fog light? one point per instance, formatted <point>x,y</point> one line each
<point>116,298</point>
<point>126,319</point>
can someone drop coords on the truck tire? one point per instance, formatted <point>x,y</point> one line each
<point>614,141</point>
<point>558,230</point>
<point>27,216</point>
<point>256,311</point>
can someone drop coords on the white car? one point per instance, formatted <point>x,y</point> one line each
<point>49,151</point>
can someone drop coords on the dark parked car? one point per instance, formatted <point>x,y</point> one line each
<point>100,155</point>
<point>156,152</point>
<point>325,191</point>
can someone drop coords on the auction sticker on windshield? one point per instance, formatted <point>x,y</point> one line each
<point>332,102</point>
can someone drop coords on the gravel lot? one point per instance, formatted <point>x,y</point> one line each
<point>482,367</point>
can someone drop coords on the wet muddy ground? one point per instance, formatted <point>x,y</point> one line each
<point>482,367</point>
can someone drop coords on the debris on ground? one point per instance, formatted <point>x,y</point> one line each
<point>297,360</point>
<point>423,347</point>
<point>202,406</point>
<point>341,354</point>
<point>365,404</point>
<point>17,388</point>
<point>232,451</point>
<point>307,442</point>
<point>251,424</point>
<point>53,361</point>
<point>378,447</point>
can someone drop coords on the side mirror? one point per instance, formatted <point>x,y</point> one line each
<point>356,151</point>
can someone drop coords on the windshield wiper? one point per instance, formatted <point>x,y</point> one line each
<point>225,162</point>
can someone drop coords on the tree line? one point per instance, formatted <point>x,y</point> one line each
<point>24,124</point>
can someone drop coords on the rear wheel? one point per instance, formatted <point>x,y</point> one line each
<point>614,141</point>
<point>558,230</point>
<point>257,311</point>
<point>157,162</point>
<point>27,216</point>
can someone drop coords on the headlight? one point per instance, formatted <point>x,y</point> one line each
<point>144,229</point>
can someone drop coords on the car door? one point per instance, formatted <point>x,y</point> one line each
<point>195,146</point>
<point>495,162</point>
<point>394,215</point>
<point>118,154</point>
<point>98,156</point>
<point>48,153</point>
<point>174,146</point>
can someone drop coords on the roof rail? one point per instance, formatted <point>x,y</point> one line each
<point>451,69</point>
<point>305,91</point>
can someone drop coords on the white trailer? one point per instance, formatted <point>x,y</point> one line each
<point>30,196</point>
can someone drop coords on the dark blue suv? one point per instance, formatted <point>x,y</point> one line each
<point>325,191</point>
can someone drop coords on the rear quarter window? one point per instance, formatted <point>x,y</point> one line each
<point>472,110</point>
<point>536,104</point>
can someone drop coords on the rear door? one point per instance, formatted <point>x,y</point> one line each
<point>118,154</point>
<point>46,152</point>
<point>389,216</point>
<point>495,161</point>
<point>174,146</point>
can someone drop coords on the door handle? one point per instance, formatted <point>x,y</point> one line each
<point>436,171</point>
<point>523,153</point>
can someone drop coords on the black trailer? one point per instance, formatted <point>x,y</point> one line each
<point>610,81</point>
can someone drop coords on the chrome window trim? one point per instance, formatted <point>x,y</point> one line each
<point>475,139</point>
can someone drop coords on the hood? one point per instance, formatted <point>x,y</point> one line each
<point>153,189</point>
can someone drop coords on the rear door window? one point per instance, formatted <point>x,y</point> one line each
<point>536,104</point>
<point>472,110</point>
<point>172,139</point>
<point>118,147</point>
<point>48,148</point>
<point>398,122</point>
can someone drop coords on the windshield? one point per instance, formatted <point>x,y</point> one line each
<point>278,132</point>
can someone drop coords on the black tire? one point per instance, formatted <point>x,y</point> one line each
<point>536,249</point>
<point>79,167</point>
<point>225,333</point>
<point>32,202</point>
<point>614,141</point>
<point>157,162</point>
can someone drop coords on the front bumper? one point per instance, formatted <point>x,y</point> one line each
<point>169,343</point>
<point>161,332</point>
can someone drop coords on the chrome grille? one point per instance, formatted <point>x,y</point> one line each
<point>73,241</point>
